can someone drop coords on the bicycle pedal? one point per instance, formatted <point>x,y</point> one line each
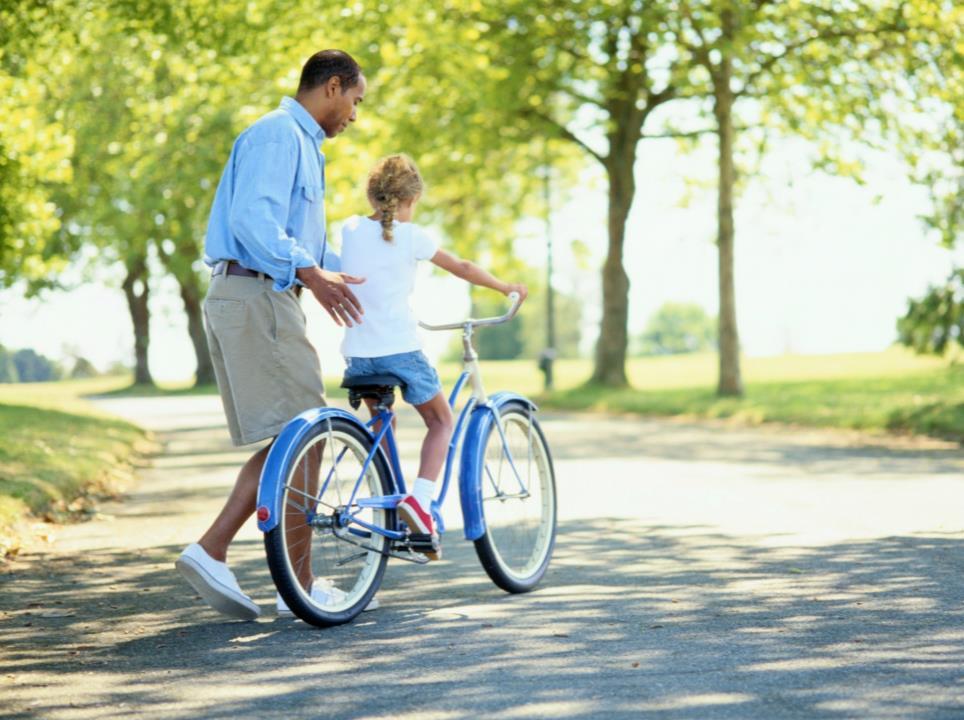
<point>428,545</point>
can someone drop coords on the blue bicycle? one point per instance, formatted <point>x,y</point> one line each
<point>330,484</point>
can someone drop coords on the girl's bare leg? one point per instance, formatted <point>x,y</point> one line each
<point>438,419</point>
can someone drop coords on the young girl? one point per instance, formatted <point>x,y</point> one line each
<point>384,248</point>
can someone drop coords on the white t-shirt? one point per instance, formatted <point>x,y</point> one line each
<point>388,325</point>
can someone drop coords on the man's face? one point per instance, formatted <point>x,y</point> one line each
<point>341,107</point>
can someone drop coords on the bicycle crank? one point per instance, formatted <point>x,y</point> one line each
<point>407,555</point>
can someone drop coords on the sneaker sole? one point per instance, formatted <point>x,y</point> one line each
<point>412,520</point>
<point>222,599</point>
<point>285,612</point>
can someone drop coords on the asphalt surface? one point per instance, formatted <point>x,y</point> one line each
<point>701,571</point>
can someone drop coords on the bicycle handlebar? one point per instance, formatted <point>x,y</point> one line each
<point>516,302</point>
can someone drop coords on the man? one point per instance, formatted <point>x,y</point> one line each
<point>265,241</point>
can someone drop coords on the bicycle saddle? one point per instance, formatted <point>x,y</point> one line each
<point>374,381</point>
<point>377,387</point>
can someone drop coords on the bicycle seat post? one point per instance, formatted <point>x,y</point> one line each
<point>385,401</point>
<point>383,395</point>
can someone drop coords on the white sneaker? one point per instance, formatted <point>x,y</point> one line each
<point>323,593</point>
<point>215,582</point>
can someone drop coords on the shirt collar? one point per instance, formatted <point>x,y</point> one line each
<point>303,117</point>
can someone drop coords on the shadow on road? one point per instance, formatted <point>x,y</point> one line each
<point>631,618</point>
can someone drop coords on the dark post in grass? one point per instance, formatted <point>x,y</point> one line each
<point>549,353</point>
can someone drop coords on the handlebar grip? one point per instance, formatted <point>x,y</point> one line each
<point>514,297</point>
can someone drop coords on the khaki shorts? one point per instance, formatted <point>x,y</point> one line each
<point>266,369</point>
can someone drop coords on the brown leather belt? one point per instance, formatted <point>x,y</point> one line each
<point>230,267</point>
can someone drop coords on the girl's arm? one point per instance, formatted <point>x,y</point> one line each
<point>472,273</point>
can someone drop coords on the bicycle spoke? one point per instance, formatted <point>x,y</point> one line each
<point>520,526</point>
<point>352,558</point>
<point>291,503</point>
<point>495,485</point>
<point>318,485</point>
<point>334,462</point>
<point>304,476</point>
<point>529,448</point>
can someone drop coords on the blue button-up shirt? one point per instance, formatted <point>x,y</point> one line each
<point>269,208</point>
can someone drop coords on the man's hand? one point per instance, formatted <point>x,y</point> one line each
<point>332,293</point>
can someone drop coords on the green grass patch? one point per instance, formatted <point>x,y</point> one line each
<point>125,387</point>
<point>59,455</point>
<point>894,390</point>
<point>891,391</point>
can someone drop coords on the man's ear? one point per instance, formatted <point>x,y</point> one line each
<point>333,86</point>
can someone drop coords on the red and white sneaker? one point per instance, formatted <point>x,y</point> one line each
<point>415,516</point>
<point>420,523</point>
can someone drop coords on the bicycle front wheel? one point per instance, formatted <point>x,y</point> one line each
<point>326,564</point>
<point>518,501</point>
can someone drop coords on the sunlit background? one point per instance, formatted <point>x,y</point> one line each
<point>833,151</point>
<point>824,266</point>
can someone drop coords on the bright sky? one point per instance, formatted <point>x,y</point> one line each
<point>822,265</point>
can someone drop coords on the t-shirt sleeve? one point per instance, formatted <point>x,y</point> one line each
<point>424,246</point>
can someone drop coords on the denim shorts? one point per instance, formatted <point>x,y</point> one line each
<point>420,380</point>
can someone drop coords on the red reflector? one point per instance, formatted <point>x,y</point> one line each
<point>263,514</point>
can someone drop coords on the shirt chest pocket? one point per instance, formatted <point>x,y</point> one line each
<point>311,192</point>
<point>310,188</point>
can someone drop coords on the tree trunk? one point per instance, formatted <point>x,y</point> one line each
<point>140,316</point>
<point>180,265</point>
<point>610,367</point>
<point>730,382</point>
<point>191,296</point>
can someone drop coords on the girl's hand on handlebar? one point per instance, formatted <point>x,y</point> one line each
<point>518,288</point>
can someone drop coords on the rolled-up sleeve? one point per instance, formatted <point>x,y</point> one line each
<point>264,177</point>
<point>332,261</point>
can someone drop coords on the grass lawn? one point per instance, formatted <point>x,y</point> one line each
<point>893,390</point>
<point>58,455</point>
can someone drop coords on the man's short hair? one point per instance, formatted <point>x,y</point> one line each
<point>326,64</point>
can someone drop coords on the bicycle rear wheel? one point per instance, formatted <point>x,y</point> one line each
<point>518,501</point>
<point>325,570</point>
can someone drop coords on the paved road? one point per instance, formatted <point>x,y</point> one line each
<point>702,571</point>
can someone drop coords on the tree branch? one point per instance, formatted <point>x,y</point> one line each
<point>692,133</point>
<point>700,52</point>
<point>654,100</point>
<point>675,134</point>
<point>794,47</point>
<point>576,95</point>
<point>565,132</point>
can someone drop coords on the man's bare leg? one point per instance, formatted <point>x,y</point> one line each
<point>299,532</point>
<point>237,509</point>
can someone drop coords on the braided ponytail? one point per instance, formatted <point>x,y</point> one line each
<point>388,208</point>
<point>393,180</point>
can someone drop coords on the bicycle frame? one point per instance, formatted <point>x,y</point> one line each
<point>471,500</point>
<point>473,426</point>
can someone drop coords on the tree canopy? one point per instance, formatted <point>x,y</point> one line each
<point>116,119</point>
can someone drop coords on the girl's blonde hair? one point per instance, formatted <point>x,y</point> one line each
<point>394,179</point>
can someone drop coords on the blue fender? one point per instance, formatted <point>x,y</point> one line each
<point>470,469</point>
<point>272,474</point>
